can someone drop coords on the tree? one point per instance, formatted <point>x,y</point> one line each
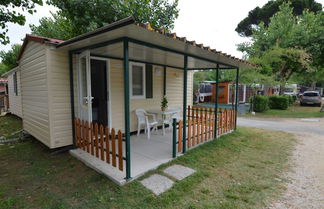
<point>56,27</point>
<point>299,36</point>
<point>283,63</point>
<point>9,14</point>
<point>9,58</point>
<point>263,14</point>
<point>76,17</point>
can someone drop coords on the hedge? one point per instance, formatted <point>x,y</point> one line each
<point>260,103</point>
<point>280,102</point>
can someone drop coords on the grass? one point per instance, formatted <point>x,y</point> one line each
<point>239,170</point>
<point>8,125</point>
<point>295,111</point>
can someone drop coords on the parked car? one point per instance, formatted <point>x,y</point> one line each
<point>311,98</point>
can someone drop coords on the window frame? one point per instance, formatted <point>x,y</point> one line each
<point>131,64</point>
<point>15,83</point>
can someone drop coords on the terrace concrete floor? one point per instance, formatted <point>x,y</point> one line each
<point>146,155</point>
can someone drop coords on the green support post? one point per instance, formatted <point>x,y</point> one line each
<point>126,110</point>
<point>185,76</point>
<point>174,137</point>
<point>236,94</point>
<point>216,101</point>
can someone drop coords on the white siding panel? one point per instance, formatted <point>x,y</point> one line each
<point>117,94</point>
<point>60,101</point>
<point>34,92</point>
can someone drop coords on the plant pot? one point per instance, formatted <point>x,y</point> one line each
<point>164,108</point>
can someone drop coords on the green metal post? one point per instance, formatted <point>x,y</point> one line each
<point>184,134</point>
<point>174,137</point>
<point>126,110</point>
<point>216,101</point>
<point>236,94</point>
<point>164,80</point>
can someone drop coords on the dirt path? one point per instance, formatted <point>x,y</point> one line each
<point>306,186</point>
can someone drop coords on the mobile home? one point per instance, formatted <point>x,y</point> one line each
<point>85,92</point>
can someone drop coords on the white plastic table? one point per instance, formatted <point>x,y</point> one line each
<point>163,115</point>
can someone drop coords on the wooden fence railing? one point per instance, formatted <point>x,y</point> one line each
<point>101,142</point>
<point>201,125</point>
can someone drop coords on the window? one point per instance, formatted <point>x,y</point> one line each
<point>137,80</point>
<point>311,94</point>
<point>15,83</point>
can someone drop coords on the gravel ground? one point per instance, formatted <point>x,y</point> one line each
<point>306,186</point>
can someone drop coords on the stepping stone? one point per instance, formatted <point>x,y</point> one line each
<point>179,172</point>
<point>157,183</point>
<point>310,120</point>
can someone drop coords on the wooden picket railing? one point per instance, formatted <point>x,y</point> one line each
<point>101,142</point>
<point>201,125</point>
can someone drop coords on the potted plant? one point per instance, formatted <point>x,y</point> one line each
<point>164,103</point>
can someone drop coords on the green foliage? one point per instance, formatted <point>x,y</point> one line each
<point>55,27</point>
<point>283,62</point>
<point>164,102</point>
<point>260,103</point>
<point>9,58</point>
<point>76,17</point>
<point>288,42</point>
<point>9,14</point>
<point>263,14</point>
<point>279,102</point>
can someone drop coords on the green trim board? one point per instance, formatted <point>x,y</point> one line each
<point>149,81</point>
<point>72,95</point>
<point>164,80</point>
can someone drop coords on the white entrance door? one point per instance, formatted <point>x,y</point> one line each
<point>85,98</point>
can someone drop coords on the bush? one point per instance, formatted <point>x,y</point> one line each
<point>279,102</point>
<point>291,99</point>
<point>260,103</point>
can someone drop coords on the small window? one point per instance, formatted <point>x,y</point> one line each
<point>15,84</point>
<point>137,80</point>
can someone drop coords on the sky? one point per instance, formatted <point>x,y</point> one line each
<point>211,22</point>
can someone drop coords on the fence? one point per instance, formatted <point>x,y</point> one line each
<point>200,126</point>
<point>4,102</point>
<point>101,142</point>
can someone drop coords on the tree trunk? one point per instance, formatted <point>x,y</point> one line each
<point>313,85</point>
<point>282,89</point>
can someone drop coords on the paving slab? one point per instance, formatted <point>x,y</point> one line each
<point>178,172</point>
<point>310,120</point>
<point>157,183</point>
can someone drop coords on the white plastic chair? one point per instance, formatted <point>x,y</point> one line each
<point>143,119</point>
